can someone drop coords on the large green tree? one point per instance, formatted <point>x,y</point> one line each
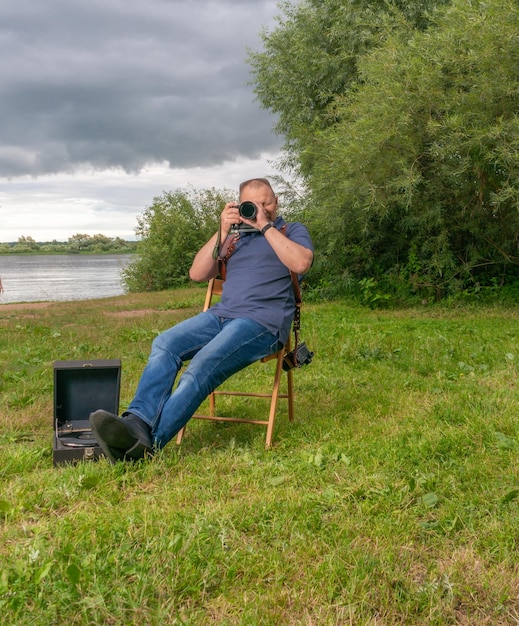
<point>172,230</point>
<point>424,157</point>
<point>403,122</point>
<point>313,56</point>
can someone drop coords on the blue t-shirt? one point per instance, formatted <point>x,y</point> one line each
<point>257,285</point>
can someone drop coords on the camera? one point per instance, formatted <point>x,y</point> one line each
<point>248,210</point>
<point>298,357</point>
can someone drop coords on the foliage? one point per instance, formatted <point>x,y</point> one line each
<point>79,243</point>
<point>27,243</point>
<point>425,155</point>
<point>410,147</point>
<point>172,230</point>
<point>392,498</point>
<point>313,55</point>
<point>96,243</point>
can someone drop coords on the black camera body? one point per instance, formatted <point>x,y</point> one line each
<point>248,210</point>
<point>298,357</point>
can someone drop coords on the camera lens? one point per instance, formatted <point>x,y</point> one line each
<point>248,210</point>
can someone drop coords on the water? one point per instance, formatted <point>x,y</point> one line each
<point>31,278</point>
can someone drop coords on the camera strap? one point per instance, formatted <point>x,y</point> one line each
<point>296,324</point>
<point>229,246</point>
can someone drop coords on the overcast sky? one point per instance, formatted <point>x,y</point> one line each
<point>105,104</point>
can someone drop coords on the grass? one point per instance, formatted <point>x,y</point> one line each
<point>392,499</point>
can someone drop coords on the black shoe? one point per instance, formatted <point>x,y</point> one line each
<point>121,439</point>
<point>139,429</point>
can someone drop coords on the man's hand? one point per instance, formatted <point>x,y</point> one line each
<point>263,217</point>
<point>230,215</point>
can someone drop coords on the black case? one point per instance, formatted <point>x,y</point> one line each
<point>81,387</point>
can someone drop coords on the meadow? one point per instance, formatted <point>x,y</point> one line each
<point>393,498</point>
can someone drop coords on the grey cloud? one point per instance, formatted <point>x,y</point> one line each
<point>127,82</point>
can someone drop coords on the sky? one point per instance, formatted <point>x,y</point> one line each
<point>106,104</point>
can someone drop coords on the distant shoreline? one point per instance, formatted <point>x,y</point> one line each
<point>62,252</point>
<point>78,244</point>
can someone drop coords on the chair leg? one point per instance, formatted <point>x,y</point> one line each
<point>274,397</point>
<point>274,401</point>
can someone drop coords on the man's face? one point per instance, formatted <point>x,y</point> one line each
<point>263,198</point>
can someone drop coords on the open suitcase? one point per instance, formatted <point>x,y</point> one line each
<point>81,387</point>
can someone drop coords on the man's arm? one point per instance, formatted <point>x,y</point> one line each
<point>296,257</point>
<point>293,255</point>
<point>204,267</point>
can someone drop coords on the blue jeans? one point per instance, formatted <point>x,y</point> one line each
<point>216,348</point>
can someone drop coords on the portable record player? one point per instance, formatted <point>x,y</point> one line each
<point>81,387</point>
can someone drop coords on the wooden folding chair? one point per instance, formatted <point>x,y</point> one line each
<point>214,288</point>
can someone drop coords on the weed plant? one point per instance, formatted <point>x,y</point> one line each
<point>392,499</point>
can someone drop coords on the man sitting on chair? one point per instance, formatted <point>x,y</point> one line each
<point>252,320</point>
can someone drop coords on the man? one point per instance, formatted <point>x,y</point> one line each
<point>252,320</point>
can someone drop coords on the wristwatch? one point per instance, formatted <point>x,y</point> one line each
<point>266,227</point>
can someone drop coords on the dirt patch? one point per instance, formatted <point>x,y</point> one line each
<point>28,307</point>
<point>137,312</point>
<point>23,306</point>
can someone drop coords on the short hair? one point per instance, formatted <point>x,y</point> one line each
<point>256,182</point>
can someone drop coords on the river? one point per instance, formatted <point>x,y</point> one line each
<point>34,278</point>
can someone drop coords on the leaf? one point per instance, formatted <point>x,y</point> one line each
<point>4,581</point>
<point>89,482</point>
<point>452,524</point>
<point>42,572</point>
<point>175,544</point>
<point>73,573</point>
<point>5,507</point>
<point>511,495</point>
<point>317,460</point>
<point>429,525</point>
<point>430,499</point>
<point>505,442</point>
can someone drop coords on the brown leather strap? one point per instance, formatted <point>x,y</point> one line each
<point>229,246</point>
<point>296,324</point>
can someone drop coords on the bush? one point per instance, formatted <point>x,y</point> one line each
<point>172,230</point>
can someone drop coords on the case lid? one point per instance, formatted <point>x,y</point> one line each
<point>81,387</point>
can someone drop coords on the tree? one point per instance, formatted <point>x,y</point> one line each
<point>172,230</point>
<point>403,120</point>
<point>26,243</point>
<point>79,241</point>
<point>312,58</point>
<point>101,243</point>
<point>425,155</point>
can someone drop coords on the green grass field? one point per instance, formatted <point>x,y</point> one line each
<point>392,499</point>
